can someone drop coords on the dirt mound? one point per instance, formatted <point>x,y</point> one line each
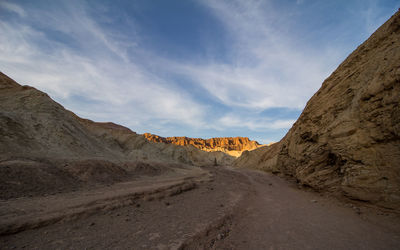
<point>27,178</point>
<point>96,171</point>
<point>20,178</point>
<point>152,168</point>
<point>347,139</point>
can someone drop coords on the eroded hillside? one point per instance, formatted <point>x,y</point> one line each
<point>44,146</point>
<point>347,140</point>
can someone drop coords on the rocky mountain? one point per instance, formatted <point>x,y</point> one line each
<point>43,145</point>
<point>231,145</point>
<point>347,139</point>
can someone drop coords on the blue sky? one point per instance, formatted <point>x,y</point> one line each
<point>197,68</point>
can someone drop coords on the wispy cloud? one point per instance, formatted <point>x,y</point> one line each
<point>13,8</point>
<point>101,78</point>
<point>267,69</point>
<point>102,70</point>
<point>254,123</point>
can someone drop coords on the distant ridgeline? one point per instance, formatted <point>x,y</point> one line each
<point>230,145</point>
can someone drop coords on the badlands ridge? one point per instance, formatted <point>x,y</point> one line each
<point>230,145</point>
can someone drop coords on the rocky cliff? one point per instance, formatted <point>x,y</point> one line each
<point>231,145</point>
<point>347,140</point>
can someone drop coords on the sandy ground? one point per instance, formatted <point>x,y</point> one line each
<point>234,209</point>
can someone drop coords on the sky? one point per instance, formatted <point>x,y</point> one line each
<point>196,68</point>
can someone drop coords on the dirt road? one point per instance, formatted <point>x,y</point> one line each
<point>238,209</point>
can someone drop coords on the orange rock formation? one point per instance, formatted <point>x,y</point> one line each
<point>231,145</point>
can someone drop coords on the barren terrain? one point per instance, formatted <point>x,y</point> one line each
<point>71,183</point>
<point>347,139</point>
<point>213,207</point>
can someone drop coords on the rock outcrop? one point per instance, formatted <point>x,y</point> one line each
<point>230,145</point>
<point>347,140</point>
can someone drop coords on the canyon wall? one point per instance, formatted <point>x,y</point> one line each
<point>347,139</point>
<point>230,145</point>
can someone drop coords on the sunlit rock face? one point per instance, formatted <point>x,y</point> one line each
<point>230,145</point>
<point>347,140</point>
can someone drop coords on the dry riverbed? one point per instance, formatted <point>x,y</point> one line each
<point>224,209</point>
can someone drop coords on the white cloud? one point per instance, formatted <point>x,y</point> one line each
<point>253,123</point>
<point>91,69</point>
<point>13,8</point>
<point>103,81</point>
<point>268,69</point>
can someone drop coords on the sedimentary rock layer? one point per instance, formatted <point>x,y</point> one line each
<point>230,145</point>
<point>347,140</point>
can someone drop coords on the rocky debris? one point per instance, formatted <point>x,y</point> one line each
<point>347,140</point>
<point>231,145</point>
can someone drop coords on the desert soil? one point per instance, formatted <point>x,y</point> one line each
<point>232,209</point>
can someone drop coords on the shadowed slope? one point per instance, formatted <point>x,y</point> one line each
<point>347,140</point>
<point>44,146</point>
